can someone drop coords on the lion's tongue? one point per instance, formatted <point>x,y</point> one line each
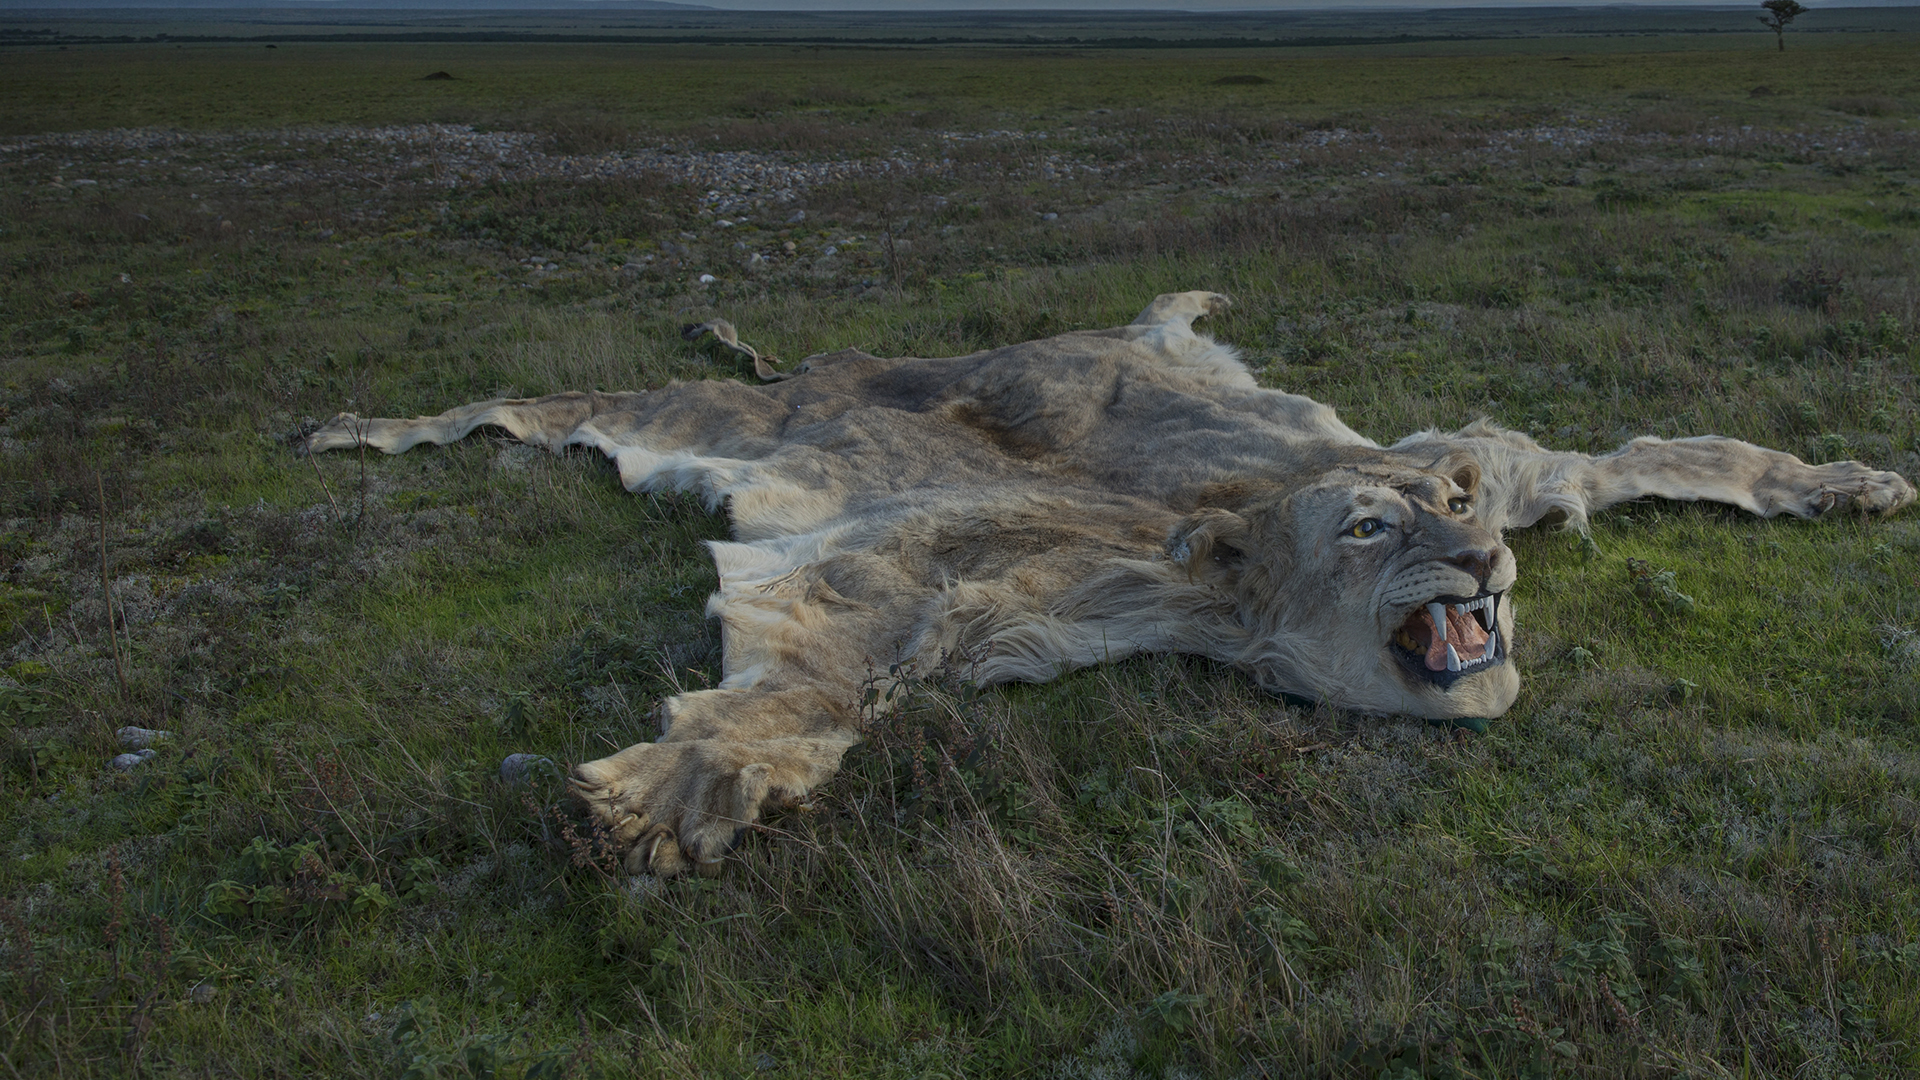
<point>1469,641</point>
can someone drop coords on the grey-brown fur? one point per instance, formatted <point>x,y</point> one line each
<point>1054,504</point>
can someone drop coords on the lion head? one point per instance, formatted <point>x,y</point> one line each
<point>1370,582</point>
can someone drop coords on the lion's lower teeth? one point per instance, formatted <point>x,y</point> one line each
<point>1455,664</point>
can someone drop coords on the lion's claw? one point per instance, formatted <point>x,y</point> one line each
<point>660,855</point>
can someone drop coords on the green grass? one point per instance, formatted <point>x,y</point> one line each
<point>673,88</point>
<point>1690,849</point>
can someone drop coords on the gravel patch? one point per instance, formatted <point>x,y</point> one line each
<point>734,183</point>
<point>434,155</point>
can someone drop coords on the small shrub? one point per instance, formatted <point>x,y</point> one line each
<point>1816,287</point>
<point>1866,105</point>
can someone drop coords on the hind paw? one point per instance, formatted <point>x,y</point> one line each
<point>674,807</point>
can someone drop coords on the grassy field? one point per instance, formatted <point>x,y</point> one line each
<point>1692,848</point>
<point>877,95</point>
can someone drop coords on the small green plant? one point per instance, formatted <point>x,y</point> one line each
<point>1657,587</point>
<point>296,883</point>
<point>424,1050</point>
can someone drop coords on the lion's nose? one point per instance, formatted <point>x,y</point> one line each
<point>1478,563</point>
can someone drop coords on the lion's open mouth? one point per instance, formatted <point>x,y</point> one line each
<point>1451,636</point>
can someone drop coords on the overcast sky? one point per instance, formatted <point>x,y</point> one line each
<point>917,5</point>
<point>1176,5</point>
<point>922,5</point>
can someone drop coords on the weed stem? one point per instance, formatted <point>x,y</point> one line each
<point>106,587</point>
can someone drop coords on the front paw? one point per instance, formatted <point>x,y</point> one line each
<point>1849,485</point>
<point>676,807</point>
<point>343,432</point>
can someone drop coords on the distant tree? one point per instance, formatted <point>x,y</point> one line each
<point>1779,14</point>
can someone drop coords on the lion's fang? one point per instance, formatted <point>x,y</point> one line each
<point>1438,613</point>
<point>1453,659</point>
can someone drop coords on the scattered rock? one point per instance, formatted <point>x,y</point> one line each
<point>519,768</point>
<point>746,186</point>
<point>140,738</point>
<point>707,279</point>
<point>202,993</point>
<point>128,762</point>
<point>1902,644</point>
<point>438,76</point>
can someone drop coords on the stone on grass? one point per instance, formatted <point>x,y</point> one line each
<point>127,762</point>
<point>139,738</point>
<point>519,768</point>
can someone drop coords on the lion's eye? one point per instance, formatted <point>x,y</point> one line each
<point>1366,527</point>
<point>1457,505</point>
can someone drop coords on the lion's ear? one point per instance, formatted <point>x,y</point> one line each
<point>1210,543</point>
<point>1463,469</point>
